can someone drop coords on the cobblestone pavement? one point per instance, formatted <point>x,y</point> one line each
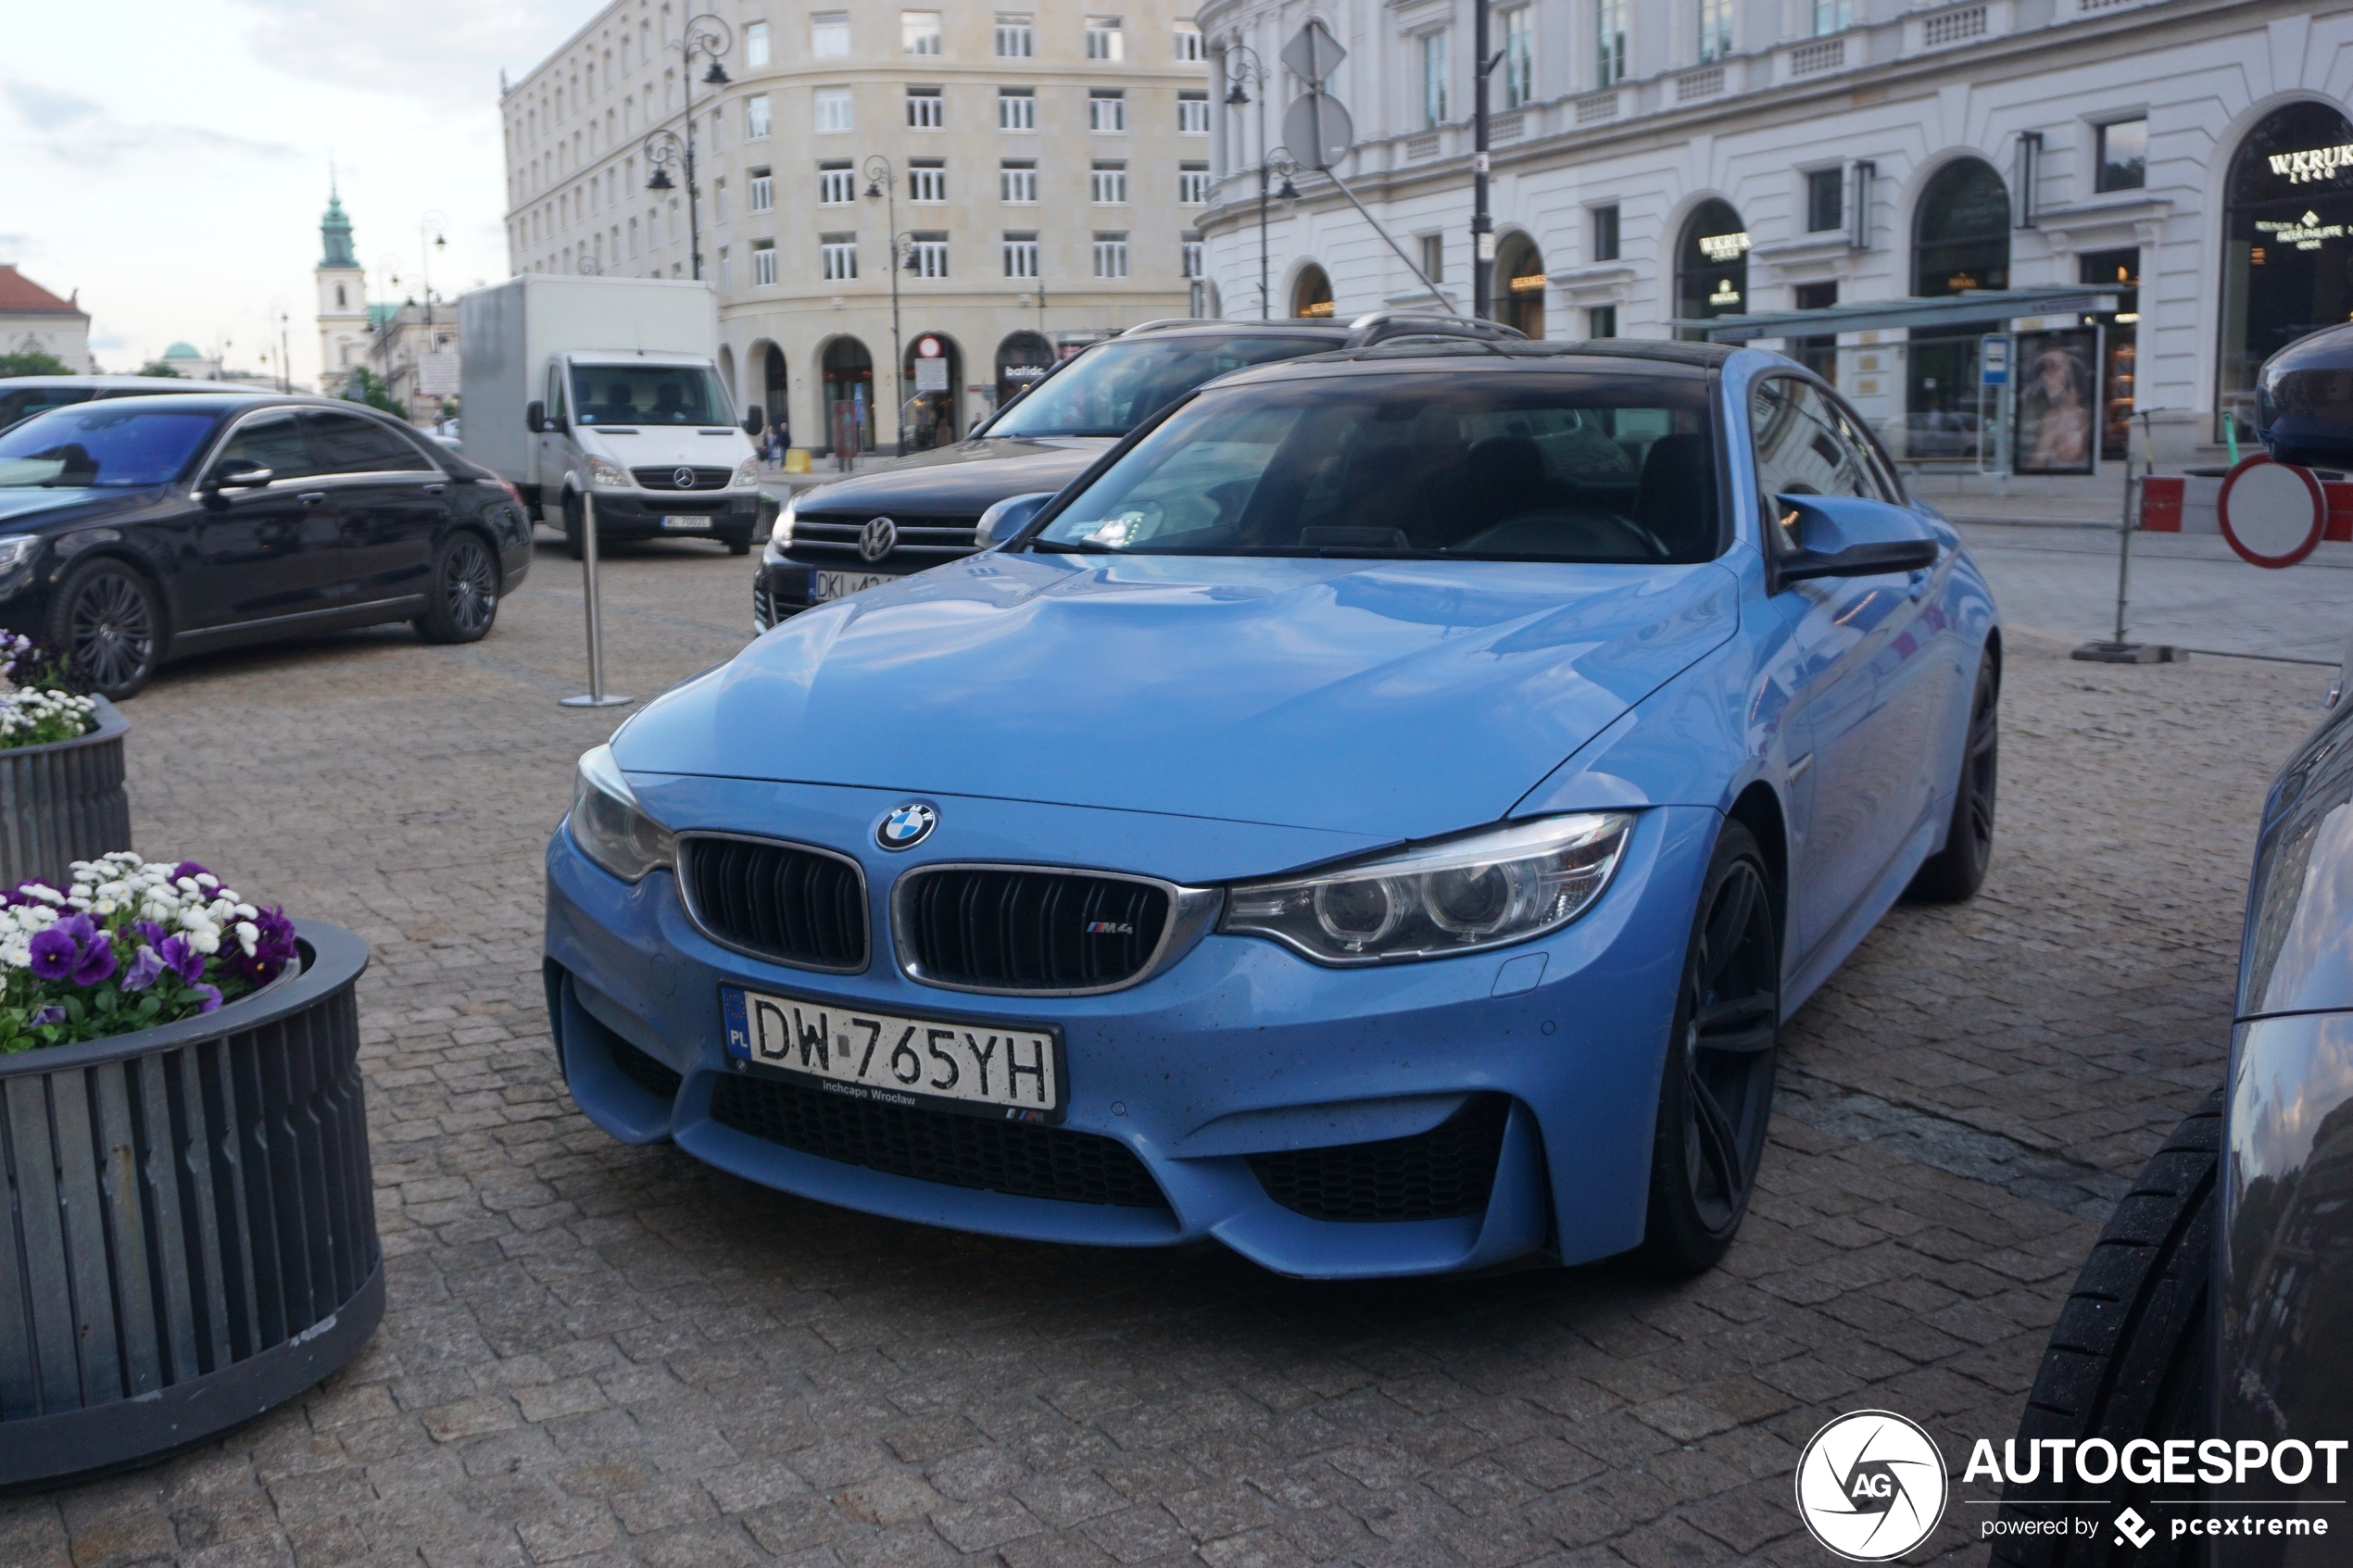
<point>604,1355</point>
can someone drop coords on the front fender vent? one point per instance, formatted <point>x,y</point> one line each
<point>1444,1174</point>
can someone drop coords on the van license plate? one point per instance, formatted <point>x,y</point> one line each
<point>678,524</point>
<point>824,585</point>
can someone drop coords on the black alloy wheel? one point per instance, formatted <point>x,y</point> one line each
<point>465,591</point>
<point>1717,1093</point>
<point>1954,874</point>
<point>108,621</point>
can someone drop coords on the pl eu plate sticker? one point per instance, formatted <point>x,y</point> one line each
<point>731,1006</point>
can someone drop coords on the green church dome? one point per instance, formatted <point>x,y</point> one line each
<point>334,235</point>
<point>182,351</point>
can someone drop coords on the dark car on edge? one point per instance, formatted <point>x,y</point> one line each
<point>832,540</point>
<point>2217,1308</point>
<point>137,531</point>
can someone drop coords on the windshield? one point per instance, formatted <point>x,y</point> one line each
<point>1501,466</point>
<point>648,395</point>
<point>107,445</point>
<point>1114,388</point>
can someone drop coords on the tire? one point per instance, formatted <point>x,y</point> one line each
<point>576,524</point>
<point>1954,874</point>
<point>1716,1093</point>
<point>464,602</point>
<point>2131,1356</point>
<point>739,547</point>
<point>108,620</point>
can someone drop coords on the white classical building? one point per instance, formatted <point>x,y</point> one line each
<point>1657,164</point>
<point>34,320</point>
<point>1035,169</point>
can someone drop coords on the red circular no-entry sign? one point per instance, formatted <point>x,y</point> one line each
<point>2272,513</point>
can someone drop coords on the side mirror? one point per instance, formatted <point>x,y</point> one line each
<point>1008,517</point>
<point>755,420</point>
<point>535,418</point>
<point>238,473</point>
<point>1847,536</point>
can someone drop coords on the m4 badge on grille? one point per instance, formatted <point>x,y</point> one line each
<point>1110,928</point>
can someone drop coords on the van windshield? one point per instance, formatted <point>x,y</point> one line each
<point>648,395</point>
<point>110,444</point>
<point>1116,387</point>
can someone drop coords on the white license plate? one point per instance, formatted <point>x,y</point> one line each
<point>981,1069</point>
<point>678,523</point>
<point>824,585</point>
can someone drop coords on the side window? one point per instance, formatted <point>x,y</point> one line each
<point>274,440</point>
<point>1801,449</point>
<point>556,395</point>
<point>1875,460</point>
<point>347,444</point>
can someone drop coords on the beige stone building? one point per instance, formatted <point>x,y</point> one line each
<point>1036,166</point>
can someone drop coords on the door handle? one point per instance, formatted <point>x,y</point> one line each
<point>435,489</point>
<point>311,498</point>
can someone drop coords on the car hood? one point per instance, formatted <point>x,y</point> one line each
<point>1395,698</point>
<point>966,478</point>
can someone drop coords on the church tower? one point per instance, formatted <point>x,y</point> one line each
<point>343,300</point>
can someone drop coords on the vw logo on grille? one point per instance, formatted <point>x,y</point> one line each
<point>878,538</point>
<point>683,478</point>
<point>909,826</point>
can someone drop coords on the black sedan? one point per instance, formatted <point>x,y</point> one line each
<point>135,531</point>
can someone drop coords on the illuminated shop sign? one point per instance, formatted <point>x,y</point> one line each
<point>2313,163</point>
<point>1532,283</point>
<point>1732,248</point>
<point>1725,294</point>
<point>2307,233</point>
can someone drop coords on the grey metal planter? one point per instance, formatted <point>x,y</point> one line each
<point>63,802</point>
<point>190,1231</point>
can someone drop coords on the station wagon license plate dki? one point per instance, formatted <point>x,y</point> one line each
<point>824,585</point>
<point>977,1068</point>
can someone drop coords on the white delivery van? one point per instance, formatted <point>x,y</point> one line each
<point>606,387</point>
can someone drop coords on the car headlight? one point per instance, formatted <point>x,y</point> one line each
<point>780,536</point>
<point>1457,896</point>
<point>747,472</point>
<point>608,825</point>
<point>18,549</point>
<point>603,470</point>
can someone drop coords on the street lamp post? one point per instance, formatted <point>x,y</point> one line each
<point>882,181</point>
<point>434,221</point>
<point>1482,221</point>
<point>1271,160</point>
<point>709,37</point>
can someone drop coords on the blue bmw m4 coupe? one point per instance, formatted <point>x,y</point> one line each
<point>1378,818</point>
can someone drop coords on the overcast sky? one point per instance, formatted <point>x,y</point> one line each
<point>168,158</point>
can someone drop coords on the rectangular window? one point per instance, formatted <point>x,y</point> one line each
<point>926,109</point>
<point>1715,30</point>
<point>755,44</point>
<point>719,199</point>
<point>1192,114</point>
<point>1106,109</point>
<point>1833,15</point>
<point>763,190</point>
<point>833,112</point>
<point>1817,297</point>
<point>927,182</point>
<point>1609,31</point>
<point>927,256</point>
<point>1104,39</point>
<point>1193,184</point>
<point>1191,49</point>
<point>1519,57</point>
<point>2123,152</point>
<point>1189,255</point>
<point>1434,257</point>
<point>837,258</point>
<point>1433,46</point>
<point>1109,185</point>
<point>1825,200</point>
<point>837,184</point>
<point>1016,38</point>
<point>1016,108</point>
<point>919,33</point>
<point>1017,181</point>
<point>1605,232</point>
<point>756,116</point>
<point>1021,254</point>
<point>1602,322</point>
<point>829,35</point>
<point>764,264</point>
<point>1111,255</point>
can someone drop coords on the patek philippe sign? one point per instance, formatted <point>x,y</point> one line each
<point>2313,163</point>
<point>2307,233</point>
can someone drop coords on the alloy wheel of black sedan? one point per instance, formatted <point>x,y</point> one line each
<point>465,592</point>
<point>108,621</point>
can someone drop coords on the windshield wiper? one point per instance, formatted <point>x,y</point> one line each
<point>1075,547</point>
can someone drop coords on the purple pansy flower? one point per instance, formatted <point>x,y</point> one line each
<point>273,947</point>
<point>212,995</point>
<point>73,949</point>
<point>52,1014</point>
<point>189,867</point>
<point>145,969</point>
<point>54,952</point>
<point>185,962</point>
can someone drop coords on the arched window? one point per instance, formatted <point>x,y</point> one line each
<point>773,388</point>
<point>1961,234</point>
<point>849,395</point>
<point>1021,360</point>
<point>1711,265</point>
<point>1312,295</point>
<point>1519,284</point>
<point>340,302</point>
<point>2288,266</point>
<point>934,370</point>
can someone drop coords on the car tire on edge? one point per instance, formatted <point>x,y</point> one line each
<point>2131,1356</point>
<point>1954,874</point>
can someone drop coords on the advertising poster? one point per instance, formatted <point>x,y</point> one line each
<point>2058,398</point>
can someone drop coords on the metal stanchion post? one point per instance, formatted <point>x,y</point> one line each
<point>2116,650</point>
<point>595,697</point>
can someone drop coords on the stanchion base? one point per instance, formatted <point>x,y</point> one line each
<point>587,699</point>
<point>2130,653</point>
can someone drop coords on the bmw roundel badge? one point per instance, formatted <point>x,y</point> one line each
<point>907,827</point>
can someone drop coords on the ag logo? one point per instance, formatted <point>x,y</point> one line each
<point>1870,1485</point>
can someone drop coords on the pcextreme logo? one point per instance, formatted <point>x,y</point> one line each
<point>1870,1485</point>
